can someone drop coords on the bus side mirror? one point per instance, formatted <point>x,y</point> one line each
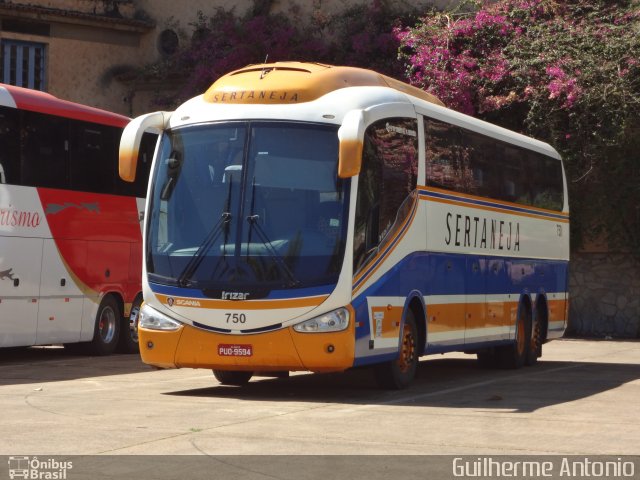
<point>131,138</point>
<point>351,136</point>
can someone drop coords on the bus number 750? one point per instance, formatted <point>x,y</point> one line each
<point>236,317</point>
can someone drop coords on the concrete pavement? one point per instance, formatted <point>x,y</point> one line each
<point>582,398</point>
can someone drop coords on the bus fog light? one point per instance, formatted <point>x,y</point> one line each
<point>334,321</point>
<point>151,319</point>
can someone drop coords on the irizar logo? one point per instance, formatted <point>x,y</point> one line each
<point>234,295</point>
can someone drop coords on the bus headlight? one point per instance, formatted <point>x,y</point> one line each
<point>334,321</point>
<point>152,319</point>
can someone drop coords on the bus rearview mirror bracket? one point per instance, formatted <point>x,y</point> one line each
<point>351,136</point>
<point>154,122</point>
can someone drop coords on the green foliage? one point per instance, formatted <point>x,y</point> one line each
<point>565,72</point>
<point>361,35</point>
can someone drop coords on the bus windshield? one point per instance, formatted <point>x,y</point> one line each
<point>247,207</point>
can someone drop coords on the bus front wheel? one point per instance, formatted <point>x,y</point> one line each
<point>398,374</point>
<point>226,377</point>
<point>514,355</point>
<point>128,342</point>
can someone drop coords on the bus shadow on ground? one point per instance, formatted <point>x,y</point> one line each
<point>23,365</point>
<point>451,383</point>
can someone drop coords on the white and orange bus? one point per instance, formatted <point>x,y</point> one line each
<point>70,228</point>
<point>310,217</point>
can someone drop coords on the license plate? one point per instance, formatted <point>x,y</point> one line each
<point>235,350</point>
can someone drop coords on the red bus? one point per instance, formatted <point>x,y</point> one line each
<point>70,229</point>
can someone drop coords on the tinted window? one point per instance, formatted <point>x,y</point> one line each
<point>468,162</point>
<point>9,146</point>
<point>45,145</point>
<point>40,150</point>
<point>93,157</point>
<point>387,178</point>
<point>448,160</point>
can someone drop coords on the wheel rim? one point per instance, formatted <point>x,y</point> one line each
<point>133,324</point>
<point>107,324</point>
<point>408,350</point>
<point>535,337</point>
<point>521,342</point>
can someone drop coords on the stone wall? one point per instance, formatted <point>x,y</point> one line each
<point>605,295</point>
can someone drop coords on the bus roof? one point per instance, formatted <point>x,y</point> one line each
<point>41,102</point>
<point>298,82</point>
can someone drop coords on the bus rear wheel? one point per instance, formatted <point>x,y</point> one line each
<point>107,327</point>
<point>238,379</point>
<point>534,346</point>
<point>398,374</point>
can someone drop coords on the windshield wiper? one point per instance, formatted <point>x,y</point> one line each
<point>208,242</point>
<point>264,239</point>
<point>203,248</point>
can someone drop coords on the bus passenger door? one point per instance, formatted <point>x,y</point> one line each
<point>61,298</point>
<point>475,300</point>
<point>20,264</point>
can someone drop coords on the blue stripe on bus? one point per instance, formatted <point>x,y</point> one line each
<point>454,274</point>
<point>484,203</point>
<point>273,295</point>
<point>388,248</point>
<point>212,329</point>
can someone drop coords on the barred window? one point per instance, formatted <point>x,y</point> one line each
<point>24,64</point>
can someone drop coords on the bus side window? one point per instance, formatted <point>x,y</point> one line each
<point>388,177</point>
<point>449,159</point>
<point>10,141</point>
<point>93,157</point>
<point>546,188</point>
<point>45,143</point>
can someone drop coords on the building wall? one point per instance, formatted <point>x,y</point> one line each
<point>84,60</point>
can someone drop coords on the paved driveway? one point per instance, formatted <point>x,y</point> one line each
<point>582,398</point>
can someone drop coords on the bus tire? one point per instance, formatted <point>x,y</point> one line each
<point>107,327</point>
<point>238,379</point>
<point>398,374</point>
<point>514,355</point>
<point>128,342</point>
<point>534,346</point>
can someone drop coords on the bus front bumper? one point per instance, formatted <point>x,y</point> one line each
<point>285,349</point>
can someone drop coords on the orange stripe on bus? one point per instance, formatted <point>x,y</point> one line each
<point>242,304</point>
<point>556,310</point>
<point>458,316</point>
<point>485,199</point>
<point>493,209</point>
